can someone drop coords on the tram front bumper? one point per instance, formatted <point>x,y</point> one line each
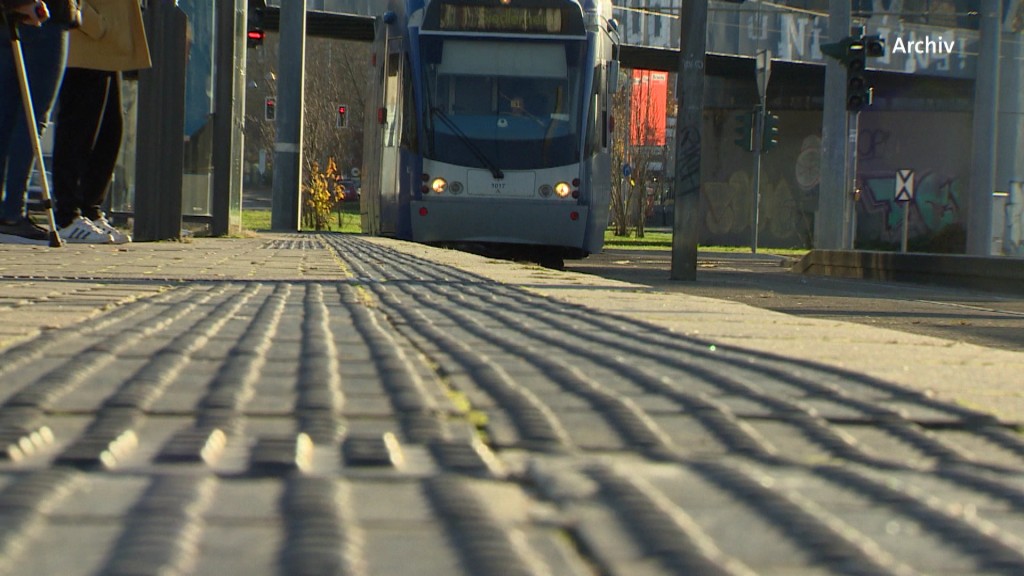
<point>500,221</point>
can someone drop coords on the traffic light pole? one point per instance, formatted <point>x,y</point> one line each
<point>758,150</point>
<point>985,126</point>
<point>763,74</point>
<point>693,30</point>
<point>850,199</point>
<point>285,207</point>
<point>832,182</point>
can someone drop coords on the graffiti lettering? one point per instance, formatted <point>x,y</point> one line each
<point>688,161</point>
<point>936,205</point>
<point>872,144</point>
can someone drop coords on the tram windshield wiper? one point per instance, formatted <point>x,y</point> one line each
<point>495,171</point>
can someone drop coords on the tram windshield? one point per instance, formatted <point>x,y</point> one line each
<point>517,103</point>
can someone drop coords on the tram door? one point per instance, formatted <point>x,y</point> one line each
<point>392,121</point>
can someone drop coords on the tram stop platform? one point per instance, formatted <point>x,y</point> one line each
<point>335,404</point>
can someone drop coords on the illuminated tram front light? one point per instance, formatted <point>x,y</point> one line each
<point>439,185</point>
<point>562,189</point>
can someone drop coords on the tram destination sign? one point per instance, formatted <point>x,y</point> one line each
<point>473,18</point>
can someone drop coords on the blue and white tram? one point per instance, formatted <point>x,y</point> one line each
<point>489,124</point>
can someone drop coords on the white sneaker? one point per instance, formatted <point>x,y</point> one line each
<point>83,231</point>
<point>105,227</point>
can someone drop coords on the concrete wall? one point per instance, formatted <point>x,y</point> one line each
<point>936,145</point>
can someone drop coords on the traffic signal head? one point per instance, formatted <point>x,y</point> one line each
<point>255,37</point>
<point>342,121</point>
<point>857,90</point>
<point>256,10</point>
<point>853,52</point>
<point>270,109</point>
<point>874,46</point>
<point>745,131</point>
<point>770,137</point>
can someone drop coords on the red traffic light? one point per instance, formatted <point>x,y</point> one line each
<point>255,36</point>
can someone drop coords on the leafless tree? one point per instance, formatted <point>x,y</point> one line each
<point>633,145</point>
<point>336,75</point>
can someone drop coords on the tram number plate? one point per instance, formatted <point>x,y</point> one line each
<point>483,183</point>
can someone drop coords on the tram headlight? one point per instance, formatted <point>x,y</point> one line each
<point>439,185</point>
<point>562,189</point>
<point>545,190</point>
<point>455,187</point>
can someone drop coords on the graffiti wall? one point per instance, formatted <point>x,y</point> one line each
<point>936,145</point>
<point>788,184</point>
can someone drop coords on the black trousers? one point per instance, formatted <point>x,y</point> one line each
<point>86,142</point>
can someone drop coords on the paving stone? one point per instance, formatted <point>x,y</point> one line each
<point>364,450</point>
<point>281,455</point>
<point>254,406</point>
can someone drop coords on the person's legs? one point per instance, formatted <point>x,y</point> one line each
<point>95,181</point>
<point>82,102</point>
<point>10,101</point>
<point>45,53</point>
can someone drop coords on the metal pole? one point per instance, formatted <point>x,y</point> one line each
<point>285,208</point>
<point>984,132</point>
<point>906,226</point>
<point>849,199</point>
<point>227,149</point>
<point>829,222</point>
<point>693,28</point>
<point>762,73</point>
<point>758,151</point>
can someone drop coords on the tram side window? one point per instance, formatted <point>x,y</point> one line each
<point>391,99</point>
<point>595,134</point>
<point>409,137</point>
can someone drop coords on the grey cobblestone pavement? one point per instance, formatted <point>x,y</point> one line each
<point>330,404</point>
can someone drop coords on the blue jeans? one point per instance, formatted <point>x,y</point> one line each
<point>45,50</point>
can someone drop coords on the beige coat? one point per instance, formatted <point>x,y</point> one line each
<point>111,37</point>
